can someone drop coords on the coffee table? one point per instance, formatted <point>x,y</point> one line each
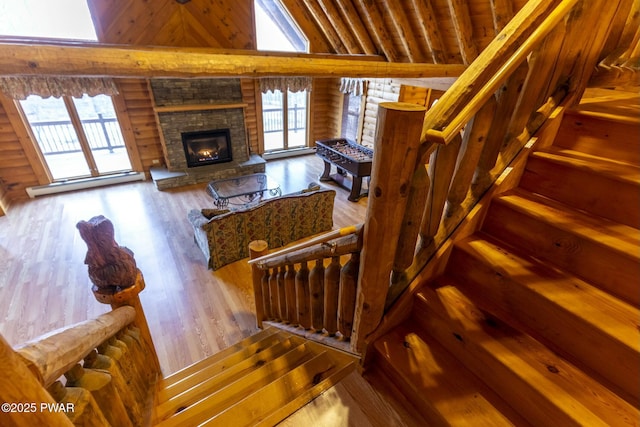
<point>247,188</point>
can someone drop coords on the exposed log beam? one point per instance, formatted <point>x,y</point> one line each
<point>64,60</point>
<point>442,83</point>
<point>429,29</point>
<point>369,10</point>
<point>502,11</point>
<point>461,18</point>
<point>344,33</point>
<point>350,14</point>
<point>326,26</point>
<point>402,27</point>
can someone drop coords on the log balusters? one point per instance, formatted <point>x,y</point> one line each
<point>315,292</point>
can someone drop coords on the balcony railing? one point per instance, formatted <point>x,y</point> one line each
<point>272,119</point>
<point>60,136</point>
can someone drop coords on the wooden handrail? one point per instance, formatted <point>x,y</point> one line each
<point>54,353</point>
<point>341,246</point>
<point>323,238</point>
<point>460,103</point>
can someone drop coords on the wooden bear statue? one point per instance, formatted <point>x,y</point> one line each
<point>111,267</point>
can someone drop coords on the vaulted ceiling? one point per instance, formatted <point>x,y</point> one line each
<point>420,31</point>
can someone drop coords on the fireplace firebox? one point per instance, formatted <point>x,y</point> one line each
<point>207,147</point>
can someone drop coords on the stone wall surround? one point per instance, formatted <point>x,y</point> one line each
<point>178,93</point>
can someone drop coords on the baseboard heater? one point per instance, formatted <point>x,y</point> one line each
<point>288,153</point>
<point>81,184</point>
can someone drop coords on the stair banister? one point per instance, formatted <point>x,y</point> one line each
<point>54,353</point>
<point>494,64</point>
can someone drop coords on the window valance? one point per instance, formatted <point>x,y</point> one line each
<point>46,86</point>
<point>294,84</point>
<point>352,86</point>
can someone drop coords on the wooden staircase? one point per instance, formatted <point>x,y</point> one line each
<point>535,320</point>
<point>259,381</point>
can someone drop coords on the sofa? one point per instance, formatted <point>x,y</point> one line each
<point>224,236</point>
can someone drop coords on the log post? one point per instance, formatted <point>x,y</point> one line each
<point>282,296</point>
<point>290,291</point>
<point>331,293</point>
<point>397,144</point>
<point>302,296</point>
<point>347,298</point>
<point>273,294</point>
<point>101,386</point>
<point>130,297</point>
<point>316,287</point>
<point>257,248</point>
<point>19,385</point>
<point>266,295</point>
<point>86,411</point>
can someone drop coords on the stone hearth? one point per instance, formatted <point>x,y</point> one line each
<point>199,105</point>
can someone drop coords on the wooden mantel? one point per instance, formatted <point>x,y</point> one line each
<point>22,59</point>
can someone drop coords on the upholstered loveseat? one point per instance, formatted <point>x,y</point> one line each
<point>225,237</point>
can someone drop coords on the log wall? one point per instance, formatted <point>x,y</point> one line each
<point>379,90</point>
<point>326,101</point>
<point>16,172</point>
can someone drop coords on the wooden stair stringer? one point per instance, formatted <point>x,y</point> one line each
<point>569,315</point>
<point>541,386</point>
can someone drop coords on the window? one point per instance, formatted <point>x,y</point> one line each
<point>284,113</point>
<point>78,137</point>
<point>351,116</point>
<point>61,19</point>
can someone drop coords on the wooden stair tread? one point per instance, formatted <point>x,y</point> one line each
<point>572,295</point>
<point>549,390</point>
<point>569,315</point>
<point>618,237</point>
<point>239,389</point>
<point>437,384</point>
<point>204,383</point>
<point>612,169</point>
<point>199,365</point>
<point>268,345</point>
<point>275,401</point>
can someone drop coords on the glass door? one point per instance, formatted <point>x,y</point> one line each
<point>77,137</point>
<point>281,112</point>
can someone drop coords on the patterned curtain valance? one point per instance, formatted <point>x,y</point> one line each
<point>353,86</point>
<point>294,84</point>
<point>22,87</point>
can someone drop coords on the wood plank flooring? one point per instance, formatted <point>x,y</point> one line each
<point>192,312</point>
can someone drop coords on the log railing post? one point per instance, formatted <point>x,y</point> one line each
<point>397,144</point>
<point>258,248</point>
<point>19,385</point>
<point>130,297</point>
<point>316,287</point>
<point>331,294</point>
<point>302,296</point>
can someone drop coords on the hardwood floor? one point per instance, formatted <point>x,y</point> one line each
<point>192,312</point>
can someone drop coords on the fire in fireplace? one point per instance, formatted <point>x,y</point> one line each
<point>207,147</point>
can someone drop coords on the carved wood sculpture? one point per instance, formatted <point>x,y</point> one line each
<point>111,267</point>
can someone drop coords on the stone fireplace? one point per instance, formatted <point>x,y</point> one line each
<point>210,107</point>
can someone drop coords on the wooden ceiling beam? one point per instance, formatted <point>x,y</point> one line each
<point>343,31</point>
<point>302,17</point>
<point>403,29</point>
<point>502,12</point>
<point>102,61</point>
<point>325,25</point>
<point>369,10</point>
<point>351,16</point>
<point>429,29</point>
<point>461,18</point>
